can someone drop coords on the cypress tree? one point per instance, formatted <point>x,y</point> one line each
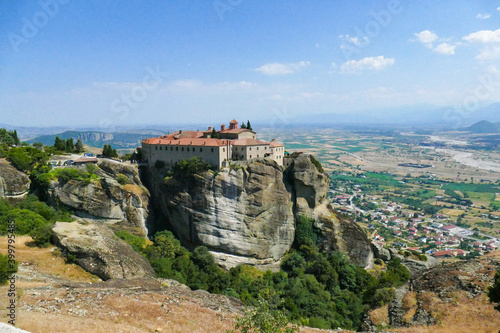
<point>59,144</point>
<point>79,146</point>
<point>15,137</point>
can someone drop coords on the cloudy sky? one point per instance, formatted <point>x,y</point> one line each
<point>112,63</point>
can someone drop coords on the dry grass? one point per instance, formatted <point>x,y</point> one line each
<point>134,189</point>
<point>46,260</point>
<point>380,316</point>
<point>463,316</point>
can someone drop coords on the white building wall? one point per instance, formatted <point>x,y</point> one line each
<point>171,154</point>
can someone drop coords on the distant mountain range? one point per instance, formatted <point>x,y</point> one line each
<point>414,115</point>
<point>483,126</point>
<point>118,140</point>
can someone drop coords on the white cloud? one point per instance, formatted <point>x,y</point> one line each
<point>445,48</point>
<point>498,8</point>
<point>483,16</point>
<point>489,53</point>
<point>355,40</point>
<point>369,63</point>
<point>426,37</point>
<point>280,69</point>
<point>484,36</point>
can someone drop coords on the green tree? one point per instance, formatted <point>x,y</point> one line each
<point>15,137</point>
<point>214,134</point>
<point>38,145</point>
<point>243,126</point>
<point>69,145</point>
<point>248,125</point>
<point>79,146</point>
<point>59,144</point>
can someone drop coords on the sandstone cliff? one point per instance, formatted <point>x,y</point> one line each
<point>308,186</point>
<point>242,214</point>
<point>246,214</point>
<point>126,206</point>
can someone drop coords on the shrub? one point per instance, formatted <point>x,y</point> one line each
<point>122,179</point>
<point>137,243</point>
<point>384,296</point>
<point>265,320</point>
<point>305,232</point>
<point>7,268</point>
<point>25,221</point>
<point>42,235</point>
<point>316,163</point>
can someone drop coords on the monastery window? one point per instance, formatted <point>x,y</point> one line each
<point>250,156</point>
<point>171,148</point>
<point>242,156</point>
<point>250,149</point>
<point>212,150</point>
<point>223,149</point>
<point>176,148</point>
<point>257,155</point>
<point>257,149</point>
<point>201,149</point>
<point>156,147</point>
<point>182,148</point>
<point>160,148</point>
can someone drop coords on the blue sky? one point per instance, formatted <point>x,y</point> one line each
<point>114,63</point>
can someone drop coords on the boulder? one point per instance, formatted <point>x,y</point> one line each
<point>13,183</point>
<point>380,252</point>
<point>125,205</point>
<point>99,251</point>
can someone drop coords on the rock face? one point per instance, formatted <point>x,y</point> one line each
<point>308,187</point>
<point>99,251</point>
<point>242,215</point>
<point>13,183</point>
<point>247,214</point>
<point>105,198</point>
<point>435,291</point>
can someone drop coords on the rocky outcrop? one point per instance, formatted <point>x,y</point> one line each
<point>242,214</point>
<point>126,206</point>
<point>13,183</point>
<point>246,214</point>
<point>433,292</point>
<point>308,186</point>
<point>97,250</point>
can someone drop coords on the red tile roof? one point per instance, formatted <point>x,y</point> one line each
<point>233,121</point>
<point>249,142</point>
<point>236,130</point>
<point>276,144</point>
<point>187,142</point>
